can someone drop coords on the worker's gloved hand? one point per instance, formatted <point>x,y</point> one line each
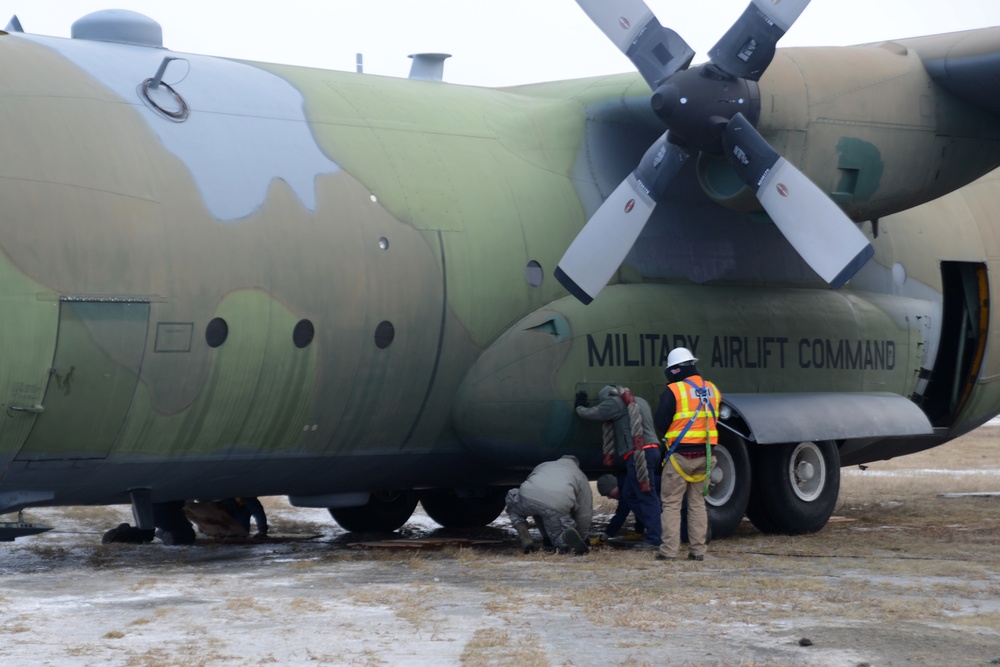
<point>645,487</point>
<point>581,400</point>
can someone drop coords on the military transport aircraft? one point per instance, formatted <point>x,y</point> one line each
<point>227,278</point>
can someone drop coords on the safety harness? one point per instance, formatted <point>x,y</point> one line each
<point>704,407</point>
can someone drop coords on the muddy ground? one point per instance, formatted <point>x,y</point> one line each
<point>901,576</point>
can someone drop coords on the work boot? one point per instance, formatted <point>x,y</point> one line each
<point>695,557</point>
<point>527,544</point>
<point>573,539</point>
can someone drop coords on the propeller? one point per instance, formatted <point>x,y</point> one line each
<point>710,108</point>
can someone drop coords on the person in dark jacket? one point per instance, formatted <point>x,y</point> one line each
<point>244,509</point>
<point>610,486</point>
<point>623,444</point>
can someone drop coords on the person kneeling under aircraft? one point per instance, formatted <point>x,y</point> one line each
<point>243,509</point>
<point>227,517</point>
<point>559,493</point>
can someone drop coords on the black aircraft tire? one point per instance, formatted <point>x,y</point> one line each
<point>794,487</point>
<point>729,492</point>
<point>385,512</point>
<point>453,511</point>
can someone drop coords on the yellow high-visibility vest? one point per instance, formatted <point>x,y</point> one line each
<point>688,405</point>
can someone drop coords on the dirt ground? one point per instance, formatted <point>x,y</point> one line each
<point>900,576</point>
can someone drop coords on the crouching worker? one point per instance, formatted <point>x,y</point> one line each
<point>244,509</point>
<point>559,493</point>
<point>610,486</point>
<point>229,517</point>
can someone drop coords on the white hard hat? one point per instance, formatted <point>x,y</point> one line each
<point>680,355</point>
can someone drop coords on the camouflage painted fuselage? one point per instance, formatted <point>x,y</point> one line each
<point>322,282</point>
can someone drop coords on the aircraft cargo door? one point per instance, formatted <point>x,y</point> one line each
<point>963,341</point>
<point>93,377</point>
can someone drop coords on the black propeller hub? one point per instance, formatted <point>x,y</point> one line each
<point>696,103</point>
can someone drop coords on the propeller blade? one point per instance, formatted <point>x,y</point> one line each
<point>748,46</point>
<point>815,226</point>
<point>604,242</point>
<point>601,246</point>
<point>657,52</point>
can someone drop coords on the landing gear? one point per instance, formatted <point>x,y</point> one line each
<point>384,512</point>
<point>794,487</point>
<point>453,509</point>
<point>729,486</point>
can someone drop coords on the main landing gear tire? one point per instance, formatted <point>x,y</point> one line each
<point>729,487</point>
<point>451,510</point>
<point>384,512</point>
<point>794,487</point>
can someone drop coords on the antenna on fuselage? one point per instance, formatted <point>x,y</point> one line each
<point>14,25</point>
<point>360,63</point>
<point>428,66</point>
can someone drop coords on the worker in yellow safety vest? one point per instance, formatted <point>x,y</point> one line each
<point>688,415</point>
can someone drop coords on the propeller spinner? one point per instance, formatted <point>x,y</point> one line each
<point>710,108</point>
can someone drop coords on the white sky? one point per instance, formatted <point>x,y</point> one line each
<point>494,42</point>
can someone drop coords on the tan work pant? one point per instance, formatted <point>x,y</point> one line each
<point>672,490</point>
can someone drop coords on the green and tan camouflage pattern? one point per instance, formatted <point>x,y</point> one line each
<point>123,234</point>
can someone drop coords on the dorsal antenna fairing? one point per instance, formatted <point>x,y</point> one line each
<point>428,66</point>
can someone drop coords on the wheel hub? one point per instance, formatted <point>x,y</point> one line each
<point>807,471</point>
<point>722,479</point>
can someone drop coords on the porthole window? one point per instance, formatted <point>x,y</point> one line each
<point>384,333</point>
<point>216,332</point>
<point>303,333</point>
<point>533,273</point>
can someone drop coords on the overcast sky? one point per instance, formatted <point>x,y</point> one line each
<point>493,42</point>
